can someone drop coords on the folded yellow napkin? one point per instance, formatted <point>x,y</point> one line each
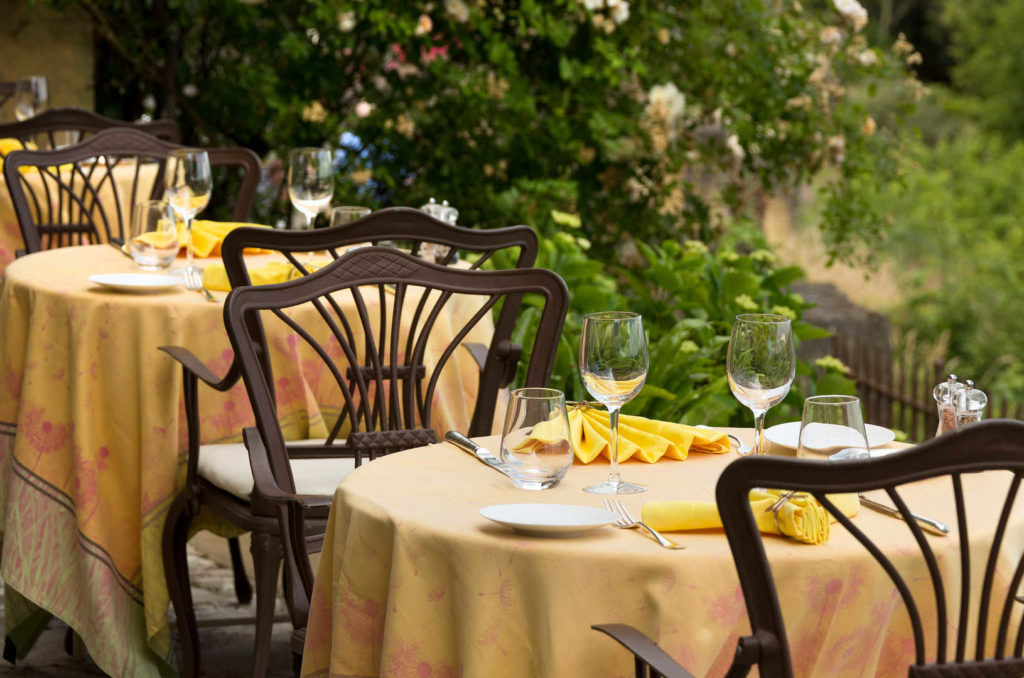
<point>207,236</point>
<point>647,439</point>
<point>8,144</point>
<point>802,517</point>
<point>215,277</point>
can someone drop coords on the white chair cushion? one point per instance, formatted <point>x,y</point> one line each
<point>227,467</point>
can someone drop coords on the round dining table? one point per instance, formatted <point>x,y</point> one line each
<point>414,581</point>
<point>93,439</point>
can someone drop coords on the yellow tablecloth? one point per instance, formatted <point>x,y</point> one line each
<point>413,581</point>
<point>92,437</point>
<point>109,195</point>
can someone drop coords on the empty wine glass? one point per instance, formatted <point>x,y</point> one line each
<point>761,364</point>
<point>310,181</point>
<point>31,96</point>
<point>613,365</point>
<point>188,186</point>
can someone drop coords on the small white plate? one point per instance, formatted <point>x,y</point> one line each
<point>788,435</point>
<point>136,282</point>
<point>548,520</point>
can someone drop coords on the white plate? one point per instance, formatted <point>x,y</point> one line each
<point>136,282</point>
<point>788,435</point>
<point>548,520</point>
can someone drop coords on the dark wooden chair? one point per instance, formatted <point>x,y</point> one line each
<point>383,405</point>
<point>987,446</point>
<point>63,198</point>
<point>55,126</point>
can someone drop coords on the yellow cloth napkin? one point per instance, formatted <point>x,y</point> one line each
<point>647,439</point>
<point>215,277</point>
<point>207,236</point>
<point>802,517</point>
<point>8,144</point>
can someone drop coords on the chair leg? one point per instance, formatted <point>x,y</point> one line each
<point>266,555</point>
<point>179,587</point>
<point>243,591</point>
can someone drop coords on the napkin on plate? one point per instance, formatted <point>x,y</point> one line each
<point>647,439</point>
<point>802,517</point>
<point>207,236</point>
<point>215,277</point>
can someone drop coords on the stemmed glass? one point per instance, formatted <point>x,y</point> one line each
<point>31,96</point>
<point>613,365</point>
<point>310,181</point>
<point>761,364</point>
<point>188,185</point>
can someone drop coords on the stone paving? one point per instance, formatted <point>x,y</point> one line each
<point>226,649</point>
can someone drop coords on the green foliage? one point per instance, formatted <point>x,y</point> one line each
<point>958,242</point>
<point>688,296</point>
<point>988,44</point>
<point>657,118</point>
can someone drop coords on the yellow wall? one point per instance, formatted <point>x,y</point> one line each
<point>40,41</point>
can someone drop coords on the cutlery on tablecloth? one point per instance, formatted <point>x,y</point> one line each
<point>194,282</point>
<point>481,453</point>
<point>626,521</point>
<point>933,526</point>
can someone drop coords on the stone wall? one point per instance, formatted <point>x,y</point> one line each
<point>37,40</point>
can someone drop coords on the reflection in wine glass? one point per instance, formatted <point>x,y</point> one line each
<point>310,181</point>
<point>761,364</point>
<point>188,185</point>
<point>613,365</point>
<point>31,96</point>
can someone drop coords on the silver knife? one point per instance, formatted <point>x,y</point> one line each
<point>481,453</point>
<point>933,526</point>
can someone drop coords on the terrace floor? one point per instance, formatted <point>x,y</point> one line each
<point>226,649</point>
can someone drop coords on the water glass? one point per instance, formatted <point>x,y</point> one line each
<point>347,214</point>
<point>535,442</point>
<point>830,424</point>
<point>153,235</point>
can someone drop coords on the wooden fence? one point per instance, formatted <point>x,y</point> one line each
<point>896,389</point>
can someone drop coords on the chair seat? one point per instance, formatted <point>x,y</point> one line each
<point>227,467</point>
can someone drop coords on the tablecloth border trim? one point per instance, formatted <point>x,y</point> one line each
<point>89,546</point>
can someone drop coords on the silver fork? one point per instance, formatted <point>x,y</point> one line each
<point>194,282</point>
<point>626,521</point>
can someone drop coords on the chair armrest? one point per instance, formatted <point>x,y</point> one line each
<point>196,367</point>
<point>264,483</point>
<point>644,649</point>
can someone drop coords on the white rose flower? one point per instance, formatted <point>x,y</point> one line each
<point>620,12</point>
<point>363,109</point>
<point>458,10</point>
<point>853,12</point>
<point>666,100</point>
<point>867,58</point>
<point>733,144</point>
<point>593,5</point>
<point>346,22</point>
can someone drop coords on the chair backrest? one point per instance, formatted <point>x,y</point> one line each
<point>83,194</point>
<point>987,446</point>
<point>380,354</point>
<point>56,126</point>
<point>411,229</point>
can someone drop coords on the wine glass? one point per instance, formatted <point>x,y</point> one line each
<point>761,364</point>
<point>31,96</point>
<point>832,426</point>
<point>310,181</point>
<point>188,185</point>
<point>613,365</point>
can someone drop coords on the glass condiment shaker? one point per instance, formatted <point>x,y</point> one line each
<point>970,405</point>
<point>945,395</point>
<point>449,215</point>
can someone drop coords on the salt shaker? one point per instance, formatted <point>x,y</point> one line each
<point>448,214</point>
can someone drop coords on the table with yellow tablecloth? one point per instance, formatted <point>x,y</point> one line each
<point>109,193</point>
<point>414,581</point>
<point>92,435</point>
